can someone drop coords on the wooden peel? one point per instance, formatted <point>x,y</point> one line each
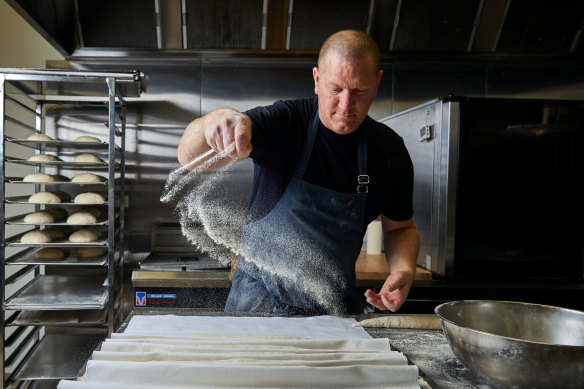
<point>402,321</point>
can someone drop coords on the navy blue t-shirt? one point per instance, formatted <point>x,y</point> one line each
<point>278,135</point>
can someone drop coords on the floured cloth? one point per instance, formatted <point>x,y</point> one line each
<point>320,327</point>
<point>170,351</point>
<point>174,375</point>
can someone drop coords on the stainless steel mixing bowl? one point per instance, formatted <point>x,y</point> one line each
<point>517,345</point>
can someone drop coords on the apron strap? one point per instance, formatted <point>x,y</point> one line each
<point>362,178</point>
<point>307,149</point>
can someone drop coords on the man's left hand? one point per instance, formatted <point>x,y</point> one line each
<point>393,293</point>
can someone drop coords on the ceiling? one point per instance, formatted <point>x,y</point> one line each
<point>296,26</point>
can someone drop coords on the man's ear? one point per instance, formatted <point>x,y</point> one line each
<point>315,76</point>
<point>379,75</point>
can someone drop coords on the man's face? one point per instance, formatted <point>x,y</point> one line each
<point>345,91</point>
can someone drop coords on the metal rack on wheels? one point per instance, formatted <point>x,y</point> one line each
<point>60,298</point>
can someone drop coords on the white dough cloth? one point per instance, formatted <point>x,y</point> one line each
<point>169,351</point>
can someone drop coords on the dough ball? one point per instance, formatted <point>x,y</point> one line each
<point>50,253</point>
<point>85,138</point>
<point>83,235</point>
<point>43,158</point>
<point>89,198</point>
<point>39,137</point>
<point>81,217</point>
<point>56,232</point>
<point>58,212</point>
<point>40,217</point>
<point>91,252</point>
<point>87,177</point>
<point>38,177</point>
<point>59,178</point>
<point>44,198</point>
<point>35,236</point>
<point>87,158</point>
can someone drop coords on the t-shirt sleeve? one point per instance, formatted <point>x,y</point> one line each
<point>398,205</point>
<point>273,126</point>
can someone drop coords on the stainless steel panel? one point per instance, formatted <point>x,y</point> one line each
<point>408,125</point>
<point>445,195</point>
<point>245,84</point>
<point>435,164</point>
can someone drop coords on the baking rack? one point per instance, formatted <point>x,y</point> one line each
<point>56,311</point>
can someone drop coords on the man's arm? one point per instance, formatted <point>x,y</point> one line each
<point>224,130</point>
<point>401,242</point>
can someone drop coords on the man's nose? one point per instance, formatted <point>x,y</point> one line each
<point>346,100</point>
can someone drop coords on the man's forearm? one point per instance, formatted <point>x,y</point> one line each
<point>401,249</point>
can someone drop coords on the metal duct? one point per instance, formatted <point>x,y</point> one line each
<point>313,21</point>
<point>113,23</point>
<point>224,24</point>
<point>538,26</point>
<point>429,25</point>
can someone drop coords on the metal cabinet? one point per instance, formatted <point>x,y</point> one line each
<point>61,296</point>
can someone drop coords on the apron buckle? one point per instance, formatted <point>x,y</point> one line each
<point>363,182</point>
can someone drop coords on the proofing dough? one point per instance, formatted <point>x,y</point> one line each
<point>43,158</point>
<point>85,138</point>
<point>81,217</point>
<point>87,177</point>
<point>44,198</point>
<point>87,158</point>
<point>38,177</point>
<point>50,253</point>
<point>35,236</point>
<point>417,322</point>
<point>90,252</point>
<point>89,198</point>
<point>39,137</point>
<point>83,235</point>
<point>40,217</point>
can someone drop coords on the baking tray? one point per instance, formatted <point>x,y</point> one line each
<point>24,200</point>
<point>54,293</point>
<point>60,144</point>
<point>64,164</point>
<point>89,318</point>
<point>18,180</point>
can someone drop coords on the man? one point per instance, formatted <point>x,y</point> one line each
<point>323,170</point>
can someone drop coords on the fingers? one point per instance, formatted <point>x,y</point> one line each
<point>231,135</point>
<point>383,300</point>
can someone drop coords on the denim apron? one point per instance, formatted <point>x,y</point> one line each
<point>300,257</point>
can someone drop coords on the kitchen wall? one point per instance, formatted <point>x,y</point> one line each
<point>20,44</point>
<point>183,86</point>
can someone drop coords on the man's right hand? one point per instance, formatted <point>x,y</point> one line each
<point>228,131</point>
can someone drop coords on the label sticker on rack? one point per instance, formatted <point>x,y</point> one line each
<point>140,299</point>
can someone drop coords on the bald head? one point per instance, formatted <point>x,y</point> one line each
<point>350,45</point>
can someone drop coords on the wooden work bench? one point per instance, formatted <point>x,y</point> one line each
<point>372,269</point>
